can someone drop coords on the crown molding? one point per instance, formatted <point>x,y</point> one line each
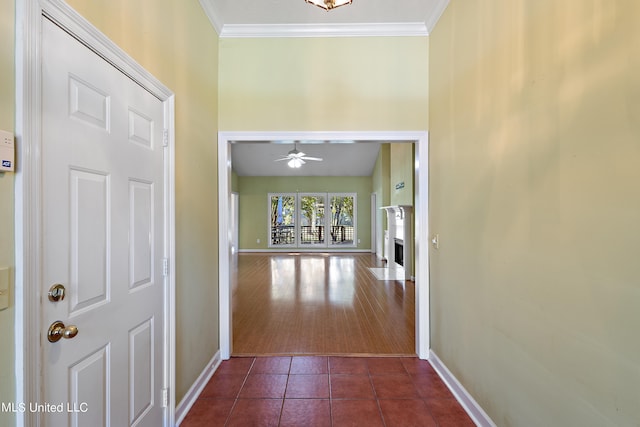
<point>325,30</point>
<point>212,15</point>
<point>435,15</point>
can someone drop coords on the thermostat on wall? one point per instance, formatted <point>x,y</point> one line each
<point>7,151</point>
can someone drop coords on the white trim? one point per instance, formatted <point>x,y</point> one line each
<point>209,10</point>
<point>170,249</point>
<point>404,29</point>
<point>196,388</point>
<point>29,15</point>
<point>421,246</point>
<point>435,14</point>
<point>473,409</point>
<point>224,246</point>
<point>28,206</point>
<point>421,140</point>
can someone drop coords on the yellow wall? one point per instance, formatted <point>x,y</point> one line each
<point>176,43</point>
<point>7,119</point>
<point>363,83</point>
<point>534,181</point>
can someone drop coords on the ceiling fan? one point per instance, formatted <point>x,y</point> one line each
<point>297,158</point>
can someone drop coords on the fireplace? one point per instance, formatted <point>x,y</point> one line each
<point>398,246</point>
<point>399,238</point>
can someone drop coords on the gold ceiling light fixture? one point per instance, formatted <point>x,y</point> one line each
<point>329,4</point>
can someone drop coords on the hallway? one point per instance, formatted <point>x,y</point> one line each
<point>319,391</point>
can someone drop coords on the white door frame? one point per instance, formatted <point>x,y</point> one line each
<point>28,237</point>
<point>421,141</point>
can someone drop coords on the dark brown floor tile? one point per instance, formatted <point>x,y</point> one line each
<point>223,386</point>
<point>310,365</point>
<point>406,413</point>
<point>431,387</point>
<point>208,413</point>
<point>235,366</point>
<point>255,413</point>
<point>448,413</point>
<point>355,413</point>
<point>394,386</point>
<point>351,387</point>
<point>413,365</point>
<point>348,365</point>
<point>386,365</point>
<point>308,387</point>
<point>306,412</point>
<point>271,365</point>
<point>264,386</point>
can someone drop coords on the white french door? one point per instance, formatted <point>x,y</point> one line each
<point>312,220</point>
<point>313,228</point>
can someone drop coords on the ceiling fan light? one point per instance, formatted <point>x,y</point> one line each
<point>294,163</point>
<point>329,4</point>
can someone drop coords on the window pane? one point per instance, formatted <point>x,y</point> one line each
<point>342,229</point>
<point>283,220</point>
<point>312,220</point>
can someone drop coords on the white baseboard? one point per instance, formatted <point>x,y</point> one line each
<point>473,409</point>
<point>194,391</point>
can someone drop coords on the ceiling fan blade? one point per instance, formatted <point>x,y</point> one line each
<point>284,158</point>
<point>316,159</point>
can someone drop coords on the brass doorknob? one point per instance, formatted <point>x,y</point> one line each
<point>58,330</point>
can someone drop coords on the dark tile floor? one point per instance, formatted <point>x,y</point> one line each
<point>318,391</point>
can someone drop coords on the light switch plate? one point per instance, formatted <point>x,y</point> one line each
<point>4,288</point>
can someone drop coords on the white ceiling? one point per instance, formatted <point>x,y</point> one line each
<point>296,18</point>
<point>339,158</point>
<point>278,18</point>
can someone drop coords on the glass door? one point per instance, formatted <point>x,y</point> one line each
<point>282,220</point>
<point>312,220</point>
<point>342,221</point>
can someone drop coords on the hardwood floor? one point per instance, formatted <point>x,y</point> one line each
<point>329,304</point>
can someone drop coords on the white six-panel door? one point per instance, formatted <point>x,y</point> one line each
<point>103,240</point>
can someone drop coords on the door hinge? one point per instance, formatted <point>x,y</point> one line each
<point>165,267</point>
<point>165,137</point>
<point>165,397</point>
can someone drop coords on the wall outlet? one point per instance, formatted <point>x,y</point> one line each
<point>258,241</point>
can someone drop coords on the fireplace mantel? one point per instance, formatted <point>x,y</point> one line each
<point>399,229</point>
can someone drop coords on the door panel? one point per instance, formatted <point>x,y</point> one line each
<point>103,239</point>
<point>282,220</point>
<point>312,220</point>
<point>90,243</point>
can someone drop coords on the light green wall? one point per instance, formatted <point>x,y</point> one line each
<point>401,171</point>
<point>382,188</point>
<point>296,84</point>
<point>253,215</point>
<point>534,184</point>
<point>176,43</point>
<point>7,123</point>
